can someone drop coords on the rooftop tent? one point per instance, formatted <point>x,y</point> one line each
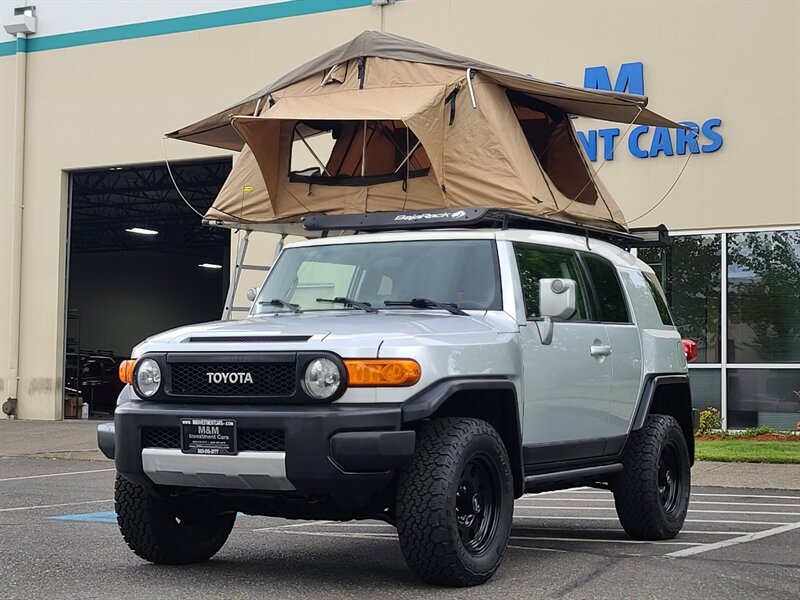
<point>391,124</point>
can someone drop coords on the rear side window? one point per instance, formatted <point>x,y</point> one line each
<point>535,263</point>
<point>658,296</point>
<point>610,299</point>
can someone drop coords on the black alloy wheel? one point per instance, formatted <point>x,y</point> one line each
<point>477,503</point>
<point>669,482</point>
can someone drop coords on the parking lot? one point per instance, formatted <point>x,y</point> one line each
<point>58,539</point>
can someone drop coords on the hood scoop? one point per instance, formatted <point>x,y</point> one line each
<point>247,339</point>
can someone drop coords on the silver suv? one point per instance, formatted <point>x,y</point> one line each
<point>426,378</point>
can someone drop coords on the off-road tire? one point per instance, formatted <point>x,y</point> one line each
<point>642,508</point>
<point>428,491</point>
<point>152,530</point>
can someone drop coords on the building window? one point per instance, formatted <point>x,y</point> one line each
<point>764,297</point>
<point>689,271</point>
<point>753,379</point>
<point>706,386</point>
<point>763,397</point>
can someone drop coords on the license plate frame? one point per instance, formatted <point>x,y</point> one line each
<point>209,437</point>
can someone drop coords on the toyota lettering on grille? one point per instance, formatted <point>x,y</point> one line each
<point>229,377</point>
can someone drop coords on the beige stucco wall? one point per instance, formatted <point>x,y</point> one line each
<point>109,104</point>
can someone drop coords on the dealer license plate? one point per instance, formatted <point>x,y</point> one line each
<point>208,436</point>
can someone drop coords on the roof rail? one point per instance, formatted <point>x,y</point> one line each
<point>477,218</point>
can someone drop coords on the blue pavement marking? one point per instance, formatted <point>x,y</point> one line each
<point>97,517</point>
<point>94,517</point>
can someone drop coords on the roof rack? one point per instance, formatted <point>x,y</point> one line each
<point>476,218</point>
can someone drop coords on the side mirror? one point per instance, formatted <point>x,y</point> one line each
<point>252,294</point>
<point>557,300</point>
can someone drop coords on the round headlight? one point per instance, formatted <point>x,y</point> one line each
<point>148,377</point>
<point>322,378</point>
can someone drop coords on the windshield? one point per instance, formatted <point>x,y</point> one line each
<point>462,272</point>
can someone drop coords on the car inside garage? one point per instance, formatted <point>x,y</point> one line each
<point>140,262</point>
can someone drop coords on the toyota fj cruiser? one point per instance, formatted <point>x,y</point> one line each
<point>424,377</point>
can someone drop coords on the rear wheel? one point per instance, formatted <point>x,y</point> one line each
<point>157,529</point>
<point>652,492</point>
<point>455,502</point>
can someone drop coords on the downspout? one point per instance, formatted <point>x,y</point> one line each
<point>16,223</point>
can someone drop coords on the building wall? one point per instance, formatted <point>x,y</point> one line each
<point>102,104</point>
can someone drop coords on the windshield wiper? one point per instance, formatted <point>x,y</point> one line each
<point>350,302</point>
<point>427,303</point>
<point>295,308</point>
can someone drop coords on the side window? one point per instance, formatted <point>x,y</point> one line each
<point>658,296</point>
<point>535,263</point>
<point>610,298</point>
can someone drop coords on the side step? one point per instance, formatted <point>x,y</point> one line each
<point>565,479</point>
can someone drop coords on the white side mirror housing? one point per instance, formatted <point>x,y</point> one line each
<point>558,299</point>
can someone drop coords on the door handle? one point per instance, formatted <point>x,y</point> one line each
<point>603,350</point>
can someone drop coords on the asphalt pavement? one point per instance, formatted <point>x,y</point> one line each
<point>59,539</point>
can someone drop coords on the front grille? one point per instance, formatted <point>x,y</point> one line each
<point>252,440</point>
<point>250,338</point>
<point>268,379</point>
<point>262,440</point>
<point>161,437</point>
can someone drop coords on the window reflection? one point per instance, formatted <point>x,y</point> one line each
<point>689,271</point>
<point>764,297</point>
<point>763,397</point>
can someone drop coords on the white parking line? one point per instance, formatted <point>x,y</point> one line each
<point>573,518</point>
<point>717,495</point>
<point>537,548</point>
<point>605,541</point>
<point>747,496</point>
<point>691,502</point>
<point>341,534</point>
<point>734,541</point>
<point>55,474</point>
<point>691,510</point>
<point>291,525</point>
<point>54,505</point>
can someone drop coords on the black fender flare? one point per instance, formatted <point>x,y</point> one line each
<point>686,418</point>
<point>426,403</point>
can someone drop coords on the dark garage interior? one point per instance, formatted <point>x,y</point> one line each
<point>140,262</point>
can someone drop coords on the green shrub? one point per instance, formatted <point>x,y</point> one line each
<point>709,421</point>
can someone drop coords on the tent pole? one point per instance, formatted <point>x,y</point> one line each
<point>314,154</point>
<point>414,149</point>
<point>364,150</point>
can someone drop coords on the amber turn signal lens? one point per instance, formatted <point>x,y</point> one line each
<point>382,373</point>
<point>126,371</point>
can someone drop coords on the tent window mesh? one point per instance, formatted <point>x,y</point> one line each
<point>550,137</point>
<point>355,153</point>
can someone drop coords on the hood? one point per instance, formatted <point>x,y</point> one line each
<point>325,329</point>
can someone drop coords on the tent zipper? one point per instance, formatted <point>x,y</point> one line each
<point>451,98</point>
<point>362,71</point>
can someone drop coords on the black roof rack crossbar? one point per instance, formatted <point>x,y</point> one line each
<point>476,218</point>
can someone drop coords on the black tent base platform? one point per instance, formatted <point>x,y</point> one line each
<point>480,218</point>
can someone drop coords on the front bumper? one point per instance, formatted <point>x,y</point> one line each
<point>327,449</point>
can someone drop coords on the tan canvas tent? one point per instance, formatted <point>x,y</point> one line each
<point>386,123</point>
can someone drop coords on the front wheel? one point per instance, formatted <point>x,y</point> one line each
<point>652,492</point>
<point>160,531</point>
<point>455,502</point>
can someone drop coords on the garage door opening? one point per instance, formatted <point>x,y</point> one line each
<point>140,262</point>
